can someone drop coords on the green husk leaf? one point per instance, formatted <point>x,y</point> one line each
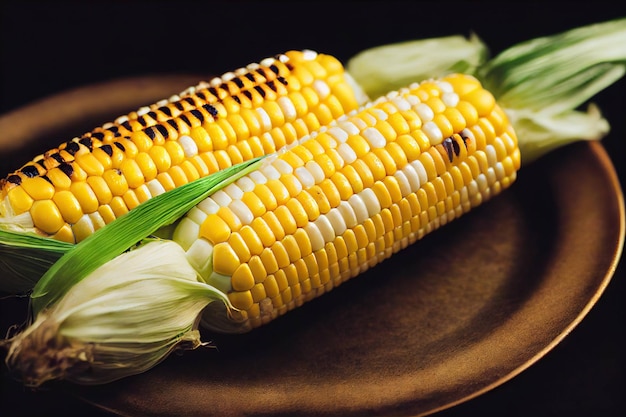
<point>126,231</point>
<point>120,320</point>
<point>24,257</point>
<point>386,68</point>
<point>541,83</point>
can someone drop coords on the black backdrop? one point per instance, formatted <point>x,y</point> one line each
<point>49,47</point>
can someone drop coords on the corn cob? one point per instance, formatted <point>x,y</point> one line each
<point>349,197</point>
<point>87,182</point>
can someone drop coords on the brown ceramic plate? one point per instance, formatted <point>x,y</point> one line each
<point>453,316</point>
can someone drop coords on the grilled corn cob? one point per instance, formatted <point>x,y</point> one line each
<point>87,182</point>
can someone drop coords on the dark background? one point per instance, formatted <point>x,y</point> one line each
<point>49,47</point>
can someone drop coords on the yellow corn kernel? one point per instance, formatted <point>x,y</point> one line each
<point>240,247</point>
<point>130,199</point>
<point>309,205</point>
<point>273,222</point>
<point>59,179</point>
<point>280,254</point>
<point>46,216</point>
<point>64,234</point>
<point>100,188</point>
<point>85,196</point>
<point>253,241</point>
<point>107,213</point>
<point>387,161</point>
<point>68,206</point>
<point>241,300</point>
<point>258,294</point>
<point>225,260</point>
<point>263,231</point>
<point>279,190</point>
<point>269,261</point>
<point>147,166</point>
<point>141,140</point>
<point>215,229</point>
<point>482,100</point>
<point>364,172</point>
<point>257,269</point>
<point>287,219</point>
<point>38,188</point>
<point>266,196</point>
<point>118,206</point>
<point>160,158</point>
<point>90,164</point>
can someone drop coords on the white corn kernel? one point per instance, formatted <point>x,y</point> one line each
<point>315,236</point>
<point>338,133</point>
<point>433,132</point>
<point>359,208</point>
<point>374,137</point>
<point>155,187</point>
<point>221,198</point>
<point>348,214</point>
<point>186,233</point>
<point>325,228</point>
<point>305,177</point>
<point>233,191</point>
<point>289,111</point>
<point>208,205</point>
<point>316,171</point>
<point>335,217</point>
<point>242,211</point>
<point>189,146</point>
<point>424,112</point>
<point>371,201</point>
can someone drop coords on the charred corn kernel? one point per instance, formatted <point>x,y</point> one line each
<point>344,199</point>
<point>244,114</point>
